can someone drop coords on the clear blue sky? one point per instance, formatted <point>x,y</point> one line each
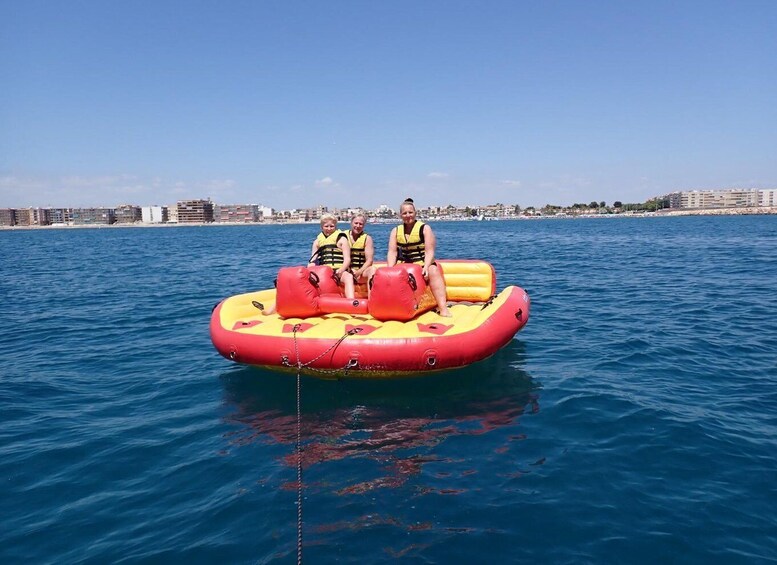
<point>294,104</point>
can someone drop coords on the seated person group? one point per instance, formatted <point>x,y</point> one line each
<point>351,253</point>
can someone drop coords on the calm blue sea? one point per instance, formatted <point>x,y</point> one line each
<point>633,420</point>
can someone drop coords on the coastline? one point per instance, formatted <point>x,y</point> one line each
<point>749,211</point>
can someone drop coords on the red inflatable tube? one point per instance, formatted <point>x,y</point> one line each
<point>334,303</point>
<point>297,295</point>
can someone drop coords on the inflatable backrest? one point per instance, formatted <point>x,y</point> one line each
<point>471,281</point>
<point>399,293</point>
<point>296,295</point>
<point>465,279</point>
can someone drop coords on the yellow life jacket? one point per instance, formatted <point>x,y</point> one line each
<point>328,252</point>
<point>358,257</point>
<point>410,247</point>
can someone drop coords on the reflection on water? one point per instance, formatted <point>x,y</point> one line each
<point>399,425</point>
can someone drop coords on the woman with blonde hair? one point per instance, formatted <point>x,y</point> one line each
<point>362,251</point>
<point>414,242</point>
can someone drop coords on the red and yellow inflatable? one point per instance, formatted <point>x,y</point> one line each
<point>394,332</point>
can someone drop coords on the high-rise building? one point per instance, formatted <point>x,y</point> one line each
<point>128,214</point>
<point>195,211</point>
<point>93,216</point>
<point>241,213</point>
<point>61,216</point>
<point>7,217</point>
<point>728,198</point>
<point>154,214</point>
<point>768,197</point>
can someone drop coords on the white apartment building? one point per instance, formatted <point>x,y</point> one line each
<point>728,198</point>
<point>767,197</point>
<point>153,214</point>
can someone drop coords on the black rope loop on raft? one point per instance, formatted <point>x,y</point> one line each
<point>352,363</point>
<point>488,302</point>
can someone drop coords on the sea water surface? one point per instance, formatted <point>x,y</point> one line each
<point>633,420</point>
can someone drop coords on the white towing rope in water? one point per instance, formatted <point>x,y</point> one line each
<point>300,365</point>
<point>299,474</point>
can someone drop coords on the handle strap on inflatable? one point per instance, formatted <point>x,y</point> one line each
<point>313,278</point>
<point>314,255</point>
<point>411,281</point>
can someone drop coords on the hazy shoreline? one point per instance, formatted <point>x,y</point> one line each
<point>751,211</point>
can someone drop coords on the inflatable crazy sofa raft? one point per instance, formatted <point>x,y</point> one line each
<point>395,332</point>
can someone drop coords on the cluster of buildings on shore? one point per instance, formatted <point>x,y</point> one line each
<point>183,212</point>
<point>206,211</point>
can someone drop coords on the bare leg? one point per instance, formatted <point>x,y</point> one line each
<point>347,280</point>
<point>439,292</point>
<point>367,278</point>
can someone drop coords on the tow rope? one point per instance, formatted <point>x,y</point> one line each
<point>299,473</point>
<point>300,365</point>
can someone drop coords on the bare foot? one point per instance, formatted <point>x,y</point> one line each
<point>446,313</point>
<point>269,310</point>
